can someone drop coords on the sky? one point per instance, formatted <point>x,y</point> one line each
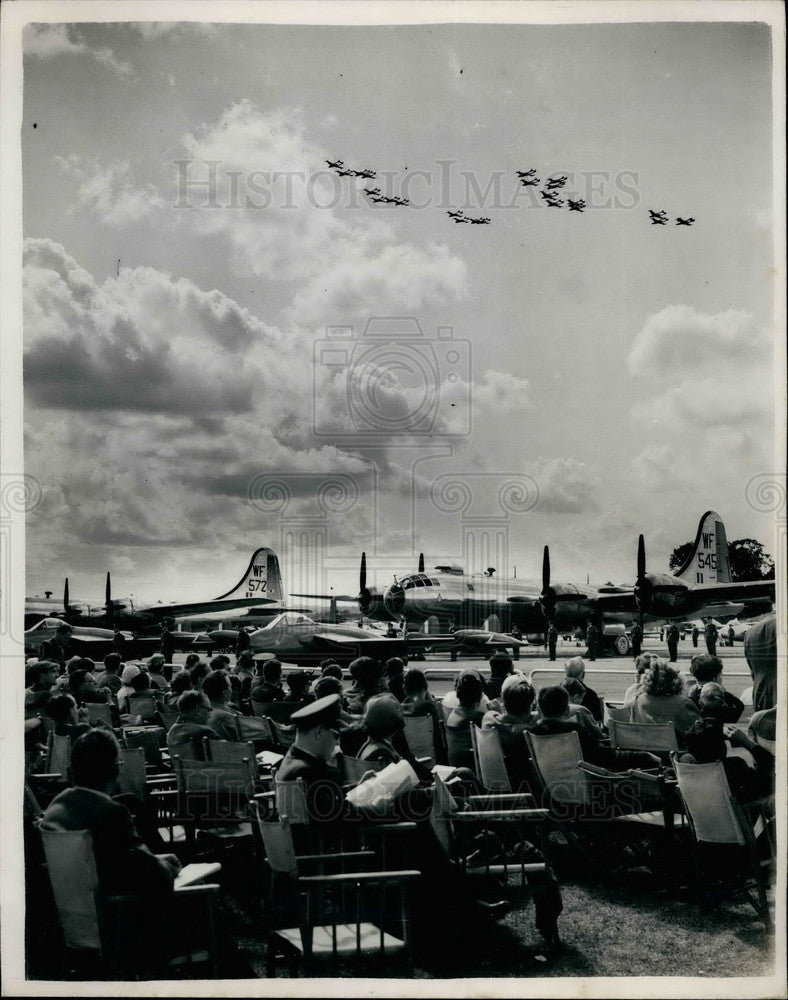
<point>226,345</point>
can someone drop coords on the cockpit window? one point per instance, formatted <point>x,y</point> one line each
<point>435,583</point>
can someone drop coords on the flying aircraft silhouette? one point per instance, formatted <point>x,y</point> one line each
<point>345,173</point>
<point>576,206</point>
<point>555,182</point>
<point>552,199</point>
<point>367,172</point>
<point>480,221</point>
<point>337,164</point>
<point>530,181</point>
<point>458,216</point>
<point>658,218</point>
<point>526,173</point>
<point>394,200</point>
<point>684,222</point>
<point>373,194</point>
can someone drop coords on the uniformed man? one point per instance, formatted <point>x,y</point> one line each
<point>242,642</point>
<point>516,633</point>
<point>710,633</point>
<point>592,637</point>
<point>552,640</point>
<point>311,758</point>
<point>118,641</point>
<point>167,644</point>
<point>673,641</point>
<point>695,634</point>
<point>636,637</point>
<point>731,635</point>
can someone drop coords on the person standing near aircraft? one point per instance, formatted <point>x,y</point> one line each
<point>118,641</point>
<point>515,633</point>
<point>591,640</point>
<point>711,633</point>
<point>167,643</point>
<point>695,634</point>
<point>636,638</point>
<point>673,642</point>
<point>242,642</point>
<point>731,635</point>
<point>552,640</point>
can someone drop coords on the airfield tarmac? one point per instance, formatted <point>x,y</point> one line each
<point>609,677</point>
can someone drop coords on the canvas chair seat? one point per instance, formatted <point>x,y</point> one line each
<point>351,939</point>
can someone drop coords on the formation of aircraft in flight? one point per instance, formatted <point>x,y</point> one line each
<point>661,219</point>
<point>576,206</point>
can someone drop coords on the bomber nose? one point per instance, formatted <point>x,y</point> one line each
<point>394,600</point>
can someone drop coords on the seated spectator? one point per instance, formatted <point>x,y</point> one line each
<point>40,680</point>
<point>469,711</point>
<point>661,699</point>
<point>382,720</point>
<point>763,729</point>
<point>110,676</point>
<point>298,682</point>
<point>244,671</point>
<point>192,659</point>
<point>501,666</point>
<point>641,663</point>
<point>419,701</point>
<point>155,667</point>
<point>130,671</point>
<point>223,719</point>
<point>123,862</point>
<point>192,725</point>
<point>575,669</point>
<point>220,662</point>
<point>368,681</point>
<point>328,668</point>
<point>577,710</point>
<point>451,700</point>
<point>82,687</point>
<point>395,668</point>
<point>63,711</point>
<point>554,717</point>
<point>198,673</point>
<point>706,741</point>
<point>328,684</point>
<point>267,687</point>
<point>708,669</point>
<point>181,682</point>
<point>518,696</point>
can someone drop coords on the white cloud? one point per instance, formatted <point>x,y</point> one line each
<point>679,341</point>
<point>565,485</point>
<point>45,41</point>
<point>151,30</point>
<point>109,192</point>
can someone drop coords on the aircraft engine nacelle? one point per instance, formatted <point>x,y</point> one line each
<point>370,605</point>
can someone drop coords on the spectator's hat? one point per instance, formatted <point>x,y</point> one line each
<point>382,716</point>
<point>130,671</point>
<point>323,712</point>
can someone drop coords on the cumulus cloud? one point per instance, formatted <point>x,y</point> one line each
<point>45,41</point>
<point>679,341</point>
<point>566,486</point>
<point>108,191</point>
<point>141,342</point>
<point>172,29</point>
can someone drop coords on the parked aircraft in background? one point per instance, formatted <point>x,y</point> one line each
<point>260,584</point>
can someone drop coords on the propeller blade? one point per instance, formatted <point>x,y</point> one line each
<point>421,562</point>
<point>362,576</point>
<point>65,596</point>
<point>641,557</point>
<point>546,568</point>
<point>108,597</point>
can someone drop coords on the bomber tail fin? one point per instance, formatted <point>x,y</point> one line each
<point>262,579</point>
<point>708,562</point>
